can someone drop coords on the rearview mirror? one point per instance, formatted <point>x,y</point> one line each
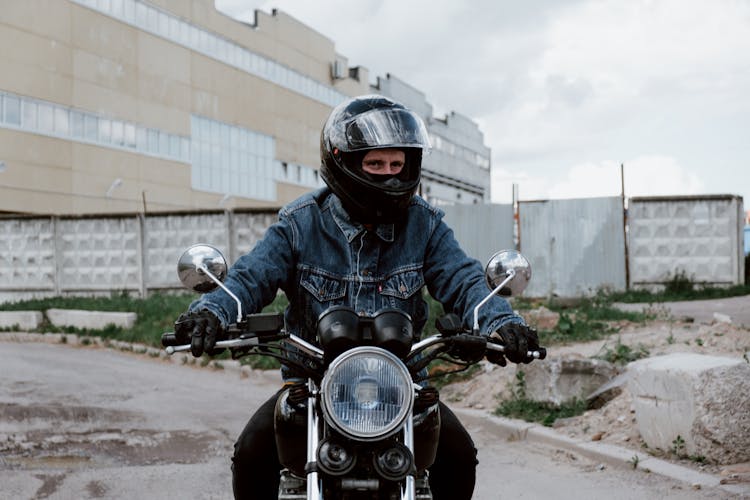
<point>497,271</point>
<point>193,264</point>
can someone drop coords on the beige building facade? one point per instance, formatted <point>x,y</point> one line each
<point>131,106</point>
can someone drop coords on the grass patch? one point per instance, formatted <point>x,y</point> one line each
<point>543,413</point>
<point>520,407</point>
<point>156,314</point>
<point>587,319</point>
<point>679,286</point>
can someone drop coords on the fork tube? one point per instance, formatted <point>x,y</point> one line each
<point>313,484</point>
<point>409,492</point>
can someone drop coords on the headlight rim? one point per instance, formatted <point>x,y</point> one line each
<point>396,424</point>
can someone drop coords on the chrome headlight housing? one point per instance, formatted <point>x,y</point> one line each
<point>367,393</point>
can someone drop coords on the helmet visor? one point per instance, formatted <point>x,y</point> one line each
<point>381,129</point>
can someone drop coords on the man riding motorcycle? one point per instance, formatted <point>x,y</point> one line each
<point>366,241</point>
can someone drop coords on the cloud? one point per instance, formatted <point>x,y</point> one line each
<point>644,176</point>
<point>569,89</point>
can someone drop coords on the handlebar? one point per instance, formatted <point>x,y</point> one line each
<point>174,346</point>
<point>250,332</point>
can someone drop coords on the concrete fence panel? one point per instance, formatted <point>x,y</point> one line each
<point>98,254</point>
<point>700,236</point>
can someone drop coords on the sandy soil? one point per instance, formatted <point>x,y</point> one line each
<point>614,422</point>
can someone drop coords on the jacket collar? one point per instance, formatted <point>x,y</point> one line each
<point>351,228</point>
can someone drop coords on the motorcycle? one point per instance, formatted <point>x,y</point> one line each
<point>369,420</point>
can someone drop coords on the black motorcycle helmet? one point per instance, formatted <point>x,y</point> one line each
<point>357,126</point>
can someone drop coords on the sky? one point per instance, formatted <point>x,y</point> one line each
<point>567,91</point>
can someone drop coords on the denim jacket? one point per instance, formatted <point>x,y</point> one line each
<point>320,257</point>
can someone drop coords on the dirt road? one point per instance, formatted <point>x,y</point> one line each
<point>83,422</point>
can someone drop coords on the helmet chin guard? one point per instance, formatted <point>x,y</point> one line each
<point>362,124</point>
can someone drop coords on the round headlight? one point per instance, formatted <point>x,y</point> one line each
<point>367,393</point>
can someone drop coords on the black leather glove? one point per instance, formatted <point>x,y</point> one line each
<point>518,340</point>
<point>200,329</point>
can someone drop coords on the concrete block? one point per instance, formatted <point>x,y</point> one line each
<point>542,318</point>
<point>703,399</point>
<point>95,320</point>
<point>23,320</point>
<point>558,380</point>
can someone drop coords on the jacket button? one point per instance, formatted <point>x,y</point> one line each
<point>402,288</point>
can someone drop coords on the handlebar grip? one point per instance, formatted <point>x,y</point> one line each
<point>540,353</point>
<point>169,339</point>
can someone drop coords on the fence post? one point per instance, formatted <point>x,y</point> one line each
<point>141,218</point>
<point>58,254</point>
<point>231,250</point>
<point>625,226</point>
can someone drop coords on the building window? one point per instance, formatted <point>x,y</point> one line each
<point>12,110</point>
<point>46,118</point>
<point>232,160</point>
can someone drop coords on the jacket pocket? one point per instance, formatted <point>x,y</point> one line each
<point>324,288</point>
<point>403,285</point>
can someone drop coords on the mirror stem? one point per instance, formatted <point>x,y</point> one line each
<point>511,274</point>
<point>202,268</point>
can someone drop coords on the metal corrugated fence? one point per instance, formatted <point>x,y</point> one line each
<point>575,246</point>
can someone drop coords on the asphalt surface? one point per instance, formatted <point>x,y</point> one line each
<point>83,422</point>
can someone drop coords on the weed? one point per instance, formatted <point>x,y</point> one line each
<point>678,446</point>
<point>519,389</point>
<point>587,320</point>
<point>670,339</point>
<point>680,287</point>
<point>679,284</point>
<point>218,365</point>
<point>533,411</point>
<point>63,339</point>
<point>699,342</point>
<point>205,360</point>
<point>85,341</point>
<point>544,413</point>
<point>622,354</point>
<point>634,461</point>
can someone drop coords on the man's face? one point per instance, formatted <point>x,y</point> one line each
<point>383,161</point>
